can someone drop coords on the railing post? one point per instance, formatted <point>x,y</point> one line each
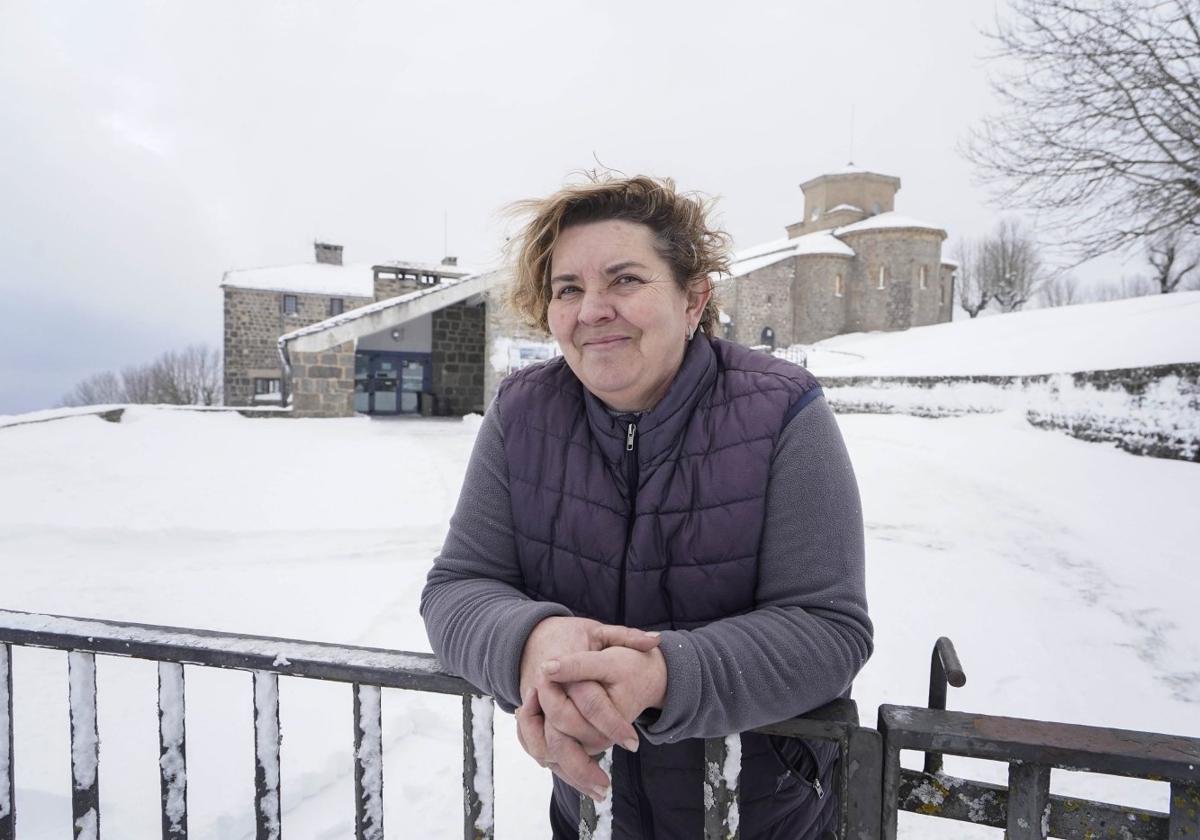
<point>595,818</point>
<point>478,785</point>
<point>944,670</point>
<point>368,763</point>
<point>1028,802</point>
<point>1185,812</point>
<point>267,823</point>
<point>172,751</point>
<point>85,746</point>
<point>722,767</point>
<point>862,770</point>
<point>8,788</point>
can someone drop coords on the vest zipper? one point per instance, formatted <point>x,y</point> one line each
<point>631,478</point>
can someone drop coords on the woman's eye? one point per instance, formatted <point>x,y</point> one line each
<point>567,291</point>
<point>627,280</point>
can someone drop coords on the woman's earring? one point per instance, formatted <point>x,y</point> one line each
<point>691,330</point>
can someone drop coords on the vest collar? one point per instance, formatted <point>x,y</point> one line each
<point>659,427</point>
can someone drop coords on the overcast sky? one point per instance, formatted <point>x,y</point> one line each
<point>145,148</point>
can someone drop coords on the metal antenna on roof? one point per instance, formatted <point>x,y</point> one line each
<point>851,158</point>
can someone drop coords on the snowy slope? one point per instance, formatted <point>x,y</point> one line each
<point>1153,330</point>
<point>1064,571</point>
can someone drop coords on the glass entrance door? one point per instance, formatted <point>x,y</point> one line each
<point>391,383</point>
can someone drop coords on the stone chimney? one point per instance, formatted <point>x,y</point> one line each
<point>328,254</point>
<point>449,260</point>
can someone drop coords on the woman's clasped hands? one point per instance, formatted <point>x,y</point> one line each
<point>583,684</point>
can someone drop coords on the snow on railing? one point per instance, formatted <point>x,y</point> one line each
<point>367,670</point>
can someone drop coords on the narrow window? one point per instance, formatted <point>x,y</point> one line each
<point>924,280</point>
<point>266,386</point>
<point>882,277</point>
<point>837,286</point>
<point>429,279</point>
<point>289,304</point>
<point>336,306</point>
<point>942,294</point>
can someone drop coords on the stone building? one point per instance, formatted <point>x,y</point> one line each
<point>418,365</point>
<point>851,264</point>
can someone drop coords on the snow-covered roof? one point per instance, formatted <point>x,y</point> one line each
<point>951,263</point>
<point>444,269</point>
<point>888,221</point>
<point>821,243</point>
<point>356,280</point>
<point>306,278</point>
<point>844,207</point>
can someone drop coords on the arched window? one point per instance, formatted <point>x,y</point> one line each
<point>882,277</point>
<point>921,276</point>
<point>767,337</point>
<point>838,289</point>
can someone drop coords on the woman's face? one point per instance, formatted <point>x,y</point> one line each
<point>617,312</point>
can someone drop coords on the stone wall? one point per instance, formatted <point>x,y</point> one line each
<point>504,327</point>
<point>762,299</point>
<point>323,382</point>
<point>818,311</point>
<point>901,303</point>
<point>458,363</point>
<point>254,320</point>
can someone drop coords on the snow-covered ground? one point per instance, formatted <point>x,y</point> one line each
<point>1152,330</point>
<point>1064,571</point>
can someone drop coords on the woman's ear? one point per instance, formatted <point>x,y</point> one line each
<point>698,293</point>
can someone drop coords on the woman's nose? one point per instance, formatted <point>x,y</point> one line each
<point>596,308</point>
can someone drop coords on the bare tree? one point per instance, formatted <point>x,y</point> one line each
<point>1010,265</point>
<point>1173,257</point>
<point>98,389</point>
<point>973,293</point>
<point>1127,286</point>
<point>1061,290</point>
<point>1100,118</point>
<point>189,377</point>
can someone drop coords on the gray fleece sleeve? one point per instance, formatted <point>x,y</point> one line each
<point>475,609</point>
<point>809,634</point>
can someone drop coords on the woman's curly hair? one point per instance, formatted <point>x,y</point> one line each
<point>696,252</point>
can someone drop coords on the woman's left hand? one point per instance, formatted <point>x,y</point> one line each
<point>634,680</point>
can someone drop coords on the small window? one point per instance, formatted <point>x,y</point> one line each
<point>429,279</point>
<point>289,304</point>
<point>410,276</point>
<point>921,277</point>
<point>767,337</point>
<point>336,306</point>
<point>266,386</point>
<point>838,290</point>
<point>882,277</point>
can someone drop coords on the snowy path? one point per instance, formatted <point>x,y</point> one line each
<point>1064,571</point>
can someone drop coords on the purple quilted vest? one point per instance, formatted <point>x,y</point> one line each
<point>655,522</point>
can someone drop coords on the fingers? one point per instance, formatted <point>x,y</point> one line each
<point>573,765</point>
<point>614,635</point>
<point>565,716</point>
<point>531,724</point>
<point>598,666</point>
<point>594,705</point>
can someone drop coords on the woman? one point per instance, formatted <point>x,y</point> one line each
<point>657,525</point>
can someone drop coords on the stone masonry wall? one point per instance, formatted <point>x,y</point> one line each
<point>254,320</point>
<point>818,311</point>
<point>323,382</point>
<point>764,299</point>
<point>503,326</point>
<point>901,303</point>
<point>458,363</point>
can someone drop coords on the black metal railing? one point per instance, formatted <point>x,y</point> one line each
<point>871,785</point>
